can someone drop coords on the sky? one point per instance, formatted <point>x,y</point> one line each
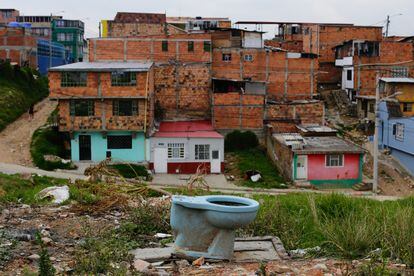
<point>359,12</point>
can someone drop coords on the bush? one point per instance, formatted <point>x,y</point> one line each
<point>47,141</point>
<point>238,140</point>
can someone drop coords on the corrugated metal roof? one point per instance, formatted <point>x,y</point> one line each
<point>398,80</point>
<point>105,66</point>
<point>187,129</point>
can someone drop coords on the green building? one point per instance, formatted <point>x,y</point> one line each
<point>70,33</point>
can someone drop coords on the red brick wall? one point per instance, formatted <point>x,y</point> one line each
<point>23,46</point>
<point>292,46</point>
<point>284,117</point>
<point>237,111</point>
<point>183,90</point>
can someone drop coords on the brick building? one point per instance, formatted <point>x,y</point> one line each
<point>364,62</point>
<point>18,46</point>
<point>8,15</point>
<point>107,107</point>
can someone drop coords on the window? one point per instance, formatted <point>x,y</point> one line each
<point>398,131</point>
<point>349,75</point>
<point>72,79</point>
<point>399,72</point>
<point>407,107</point>
<point>176,150</point>
<point>165,46</point>
<point>248,57</point>
<point>123,79</point>
<point>207,46</point>
<point>334,160</point>
<point>124,108</point>
<point>64,37</point>
<point>190,46</point>
<point>226,57</point>
<point>371,107</point>
<point>119,141</point>
<point>202,152</point>
<point>81,108</point>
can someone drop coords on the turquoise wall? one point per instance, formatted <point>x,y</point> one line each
<point>99,147</point>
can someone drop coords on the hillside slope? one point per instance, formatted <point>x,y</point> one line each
<point>19,88</point>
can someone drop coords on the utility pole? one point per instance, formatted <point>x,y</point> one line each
<point>375,152</point>
<point>387,26</point>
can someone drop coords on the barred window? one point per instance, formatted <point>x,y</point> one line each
<point>123,79</point>
<point>81,108</point>
<point>399,72</point>
<point>407,107</point>
<point>125,108</point>
<point>202,152</point>
<point>119,141</point>
<point>176,150</point>
<point>334,160</point>
<point>73,79</point>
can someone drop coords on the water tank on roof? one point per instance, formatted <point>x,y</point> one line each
<point>14,24</point>
<point>26,25</point>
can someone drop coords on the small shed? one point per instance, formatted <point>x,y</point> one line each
<point>184,147</point>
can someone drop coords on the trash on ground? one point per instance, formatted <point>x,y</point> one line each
<point>59,194</point>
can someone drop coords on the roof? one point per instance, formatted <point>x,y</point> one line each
<point>104,66</point>
<point>287,22</point>
<point>317,145</point>
<point>185,19</point>
<point>139,17</point>
<point>398,80</point>
<point>316,128</point>
<point>187,129</point>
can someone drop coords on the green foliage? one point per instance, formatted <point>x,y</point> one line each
<point>15,189</point>
<point>256,159</point>
<point>130,170</point>
<point>45,264</point>
<point>238,140</point>
<point>5,250</point>
<point>19,88</point>
<point>47,141</point>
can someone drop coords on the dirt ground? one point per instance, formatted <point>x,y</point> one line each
<point>16,138</point>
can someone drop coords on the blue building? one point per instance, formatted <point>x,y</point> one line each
<point>396,134</point>
<point>59,56</point>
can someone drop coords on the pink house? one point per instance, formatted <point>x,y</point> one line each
<point>319,160</point>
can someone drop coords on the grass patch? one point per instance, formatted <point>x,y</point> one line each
<point>256,159</point>
<point>47,141</point>
<point>130,170</point>
<point>18,90</point>
<point>15,189</point>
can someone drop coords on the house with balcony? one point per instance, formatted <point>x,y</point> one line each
<point>106,107</point>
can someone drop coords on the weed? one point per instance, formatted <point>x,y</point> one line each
<point>6,244</point>
<point>45,264</point>
<point>130,170</point>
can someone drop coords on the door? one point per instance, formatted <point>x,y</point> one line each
<point>302,167</point>
<point>85,151</point>
<point>161,160</point>
<point>215,164</point>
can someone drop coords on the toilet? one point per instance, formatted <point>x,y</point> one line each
<point>204,226</point>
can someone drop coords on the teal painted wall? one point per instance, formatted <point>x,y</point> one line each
<point>99,147</point>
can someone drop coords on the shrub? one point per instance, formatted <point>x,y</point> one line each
<point>47,141</point>
<point>238,140</point>
<point>130,170</point>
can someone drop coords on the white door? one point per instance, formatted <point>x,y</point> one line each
<point>160,160</point>
<point>302,167</point>
<point>215,164</point>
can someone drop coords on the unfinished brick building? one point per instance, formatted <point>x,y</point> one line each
<point>319,39</point>
<point>107,107</point>
<point>8,15</point>
<point>364,62</point>
<point>18,46</point>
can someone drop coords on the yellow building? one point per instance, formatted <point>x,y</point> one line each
<point>404,89</point>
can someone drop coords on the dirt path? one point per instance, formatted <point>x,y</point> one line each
<point>15,139</point>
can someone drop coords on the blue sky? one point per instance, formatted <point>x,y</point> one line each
<point>361,12</point>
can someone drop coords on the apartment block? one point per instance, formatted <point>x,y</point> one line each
<point>108,108</point>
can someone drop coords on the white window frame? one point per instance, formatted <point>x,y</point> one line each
<point>399,132</point>
<point>176,150</point>
<point>204,149</point>
<point>339,159</point>
<point>248,57</point>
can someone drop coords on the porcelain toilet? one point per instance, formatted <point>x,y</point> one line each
<point>205,225</point>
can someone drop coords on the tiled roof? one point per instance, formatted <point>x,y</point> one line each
<point>134,17</point>
<point>187,129</point>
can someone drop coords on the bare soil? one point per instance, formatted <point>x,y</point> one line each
<point>16,138</point>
